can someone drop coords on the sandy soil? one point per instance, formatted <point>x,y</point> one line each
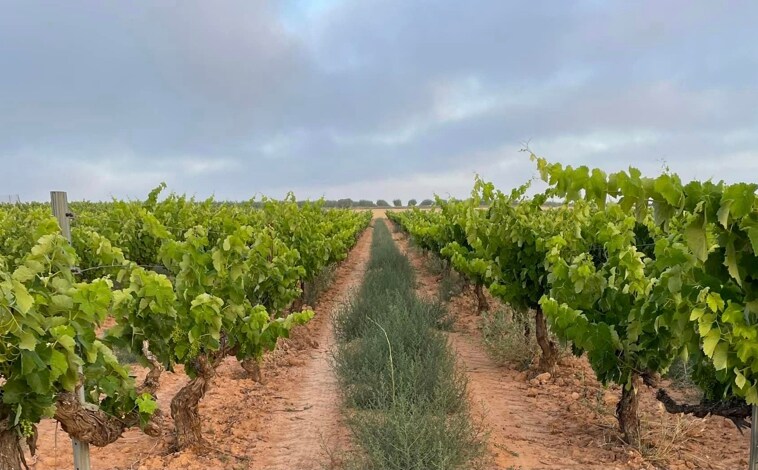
<point>567,421</point>
<point>285,423</point>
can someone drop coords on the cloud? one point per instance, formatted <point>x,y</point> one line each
<point>370,99</point>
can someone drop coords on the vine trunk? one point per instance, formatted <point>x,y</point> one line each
<point>627,411</point>
<point>549,356</point>
<point>185,404</point>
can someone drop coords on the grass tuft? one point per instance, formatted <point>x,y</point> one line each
<point>503,334</point>
<point>124,355</point>
<point>313,289</point>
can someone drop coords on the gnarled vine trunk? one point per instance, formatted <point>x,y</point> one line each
<point>482,305</point>
<point>184,405</point>
<point>549,356</point>
<point>152,379</point>
<point>253,369</point>
<point>11,453</point>
<point>736,409</point>
<point>87,423</point>
<point>626,411</point>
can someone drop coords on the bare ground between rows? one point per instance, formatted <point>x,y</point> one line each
<point>285,423</point>
<point>567,421</point>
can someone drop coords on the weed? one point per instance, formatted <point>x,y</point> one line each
<point>503,334</point>
<point>411,437</point>
<point>124,355</point>
<point>451,285</point>
<point>665,437</point>
<point>321,282</point>
<point>680,375</point>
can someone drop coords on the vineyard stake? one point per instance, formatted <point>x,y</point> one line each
<point>754,441</point>
<point>59,203</point>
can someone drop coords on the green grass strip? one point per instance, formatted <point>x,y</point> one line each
<point>405,397</point>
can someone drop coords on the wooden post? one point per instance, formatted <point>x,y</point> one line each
<point>754,440</point>
<point>59,203</point>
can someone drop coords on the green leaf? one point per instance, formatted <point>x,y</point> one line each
<point>669,188</point>
<point>741,197</point>
<point>696,314</point>
<point>720,356</point>
<point>710,342</point>
<point>23,274</point>
<point>30,362</point>
<point>739,379</point>
<point>27,341</point>
<point>675,283</point>
<point>58,364</point>
<point>704,328</point>
<point>146,404</point>
<point>24,301</point>
<point>751,227</point>
<point>70,379</point>
<point>17,419</point>
<point>696,239</point>
<point>67,342</point>
<point>715,302</point>
<point>752,396</point>
<point>723,213</point>
<point>731,262</point>
<point>39,381</point>
<point>63,302</point>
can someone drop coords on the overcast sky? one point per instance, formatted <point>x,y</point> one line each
<point>368,99</point>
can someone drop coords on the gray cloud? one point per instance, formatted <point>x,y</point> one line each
<point>367,99</point>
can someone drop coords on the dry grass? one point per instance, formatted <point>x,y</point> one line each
<point>664,437</point>
<point>503,334</point>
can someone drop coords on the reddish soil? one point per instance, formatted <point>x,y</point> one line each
<point>287,422</point>
<point>566,421</point>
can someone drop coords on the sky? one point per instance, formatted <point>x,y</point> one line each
<point>368,99</point>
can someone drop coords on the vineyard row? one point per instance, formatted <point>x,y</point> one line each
<point>634,272</point>
<point>175,282</point>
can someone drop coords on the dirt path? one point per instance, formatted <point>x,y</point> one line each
<point>307,422</point>
<point>567,421</point>
<point>284,423</point>
<point>522,435</point>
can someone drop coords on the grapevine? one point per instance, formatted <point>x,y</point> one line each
<point>186,282</point>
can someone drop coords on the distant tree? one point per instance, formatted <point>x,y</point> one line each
<point>382,203</point>
<point>345,203</point>
<point>366,203</point>
<point>426,203</point>
<point>412,202</point>
<point>397,203</point>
